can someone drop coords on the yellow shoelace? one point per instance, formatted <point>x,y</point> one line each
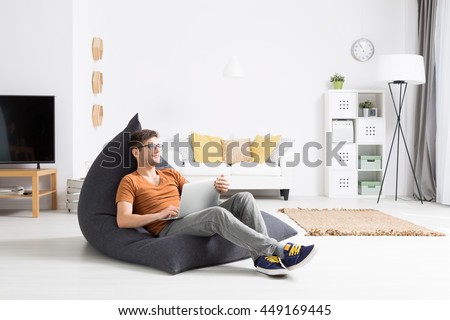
<point>272,259</point>
<point>295,249</point>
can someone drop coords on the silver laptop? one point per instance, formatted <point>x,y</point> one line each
<point>196,196</point>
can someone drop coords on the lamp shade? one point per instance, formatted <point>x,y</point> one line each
<point>401,67</point>
<point>233,69</point>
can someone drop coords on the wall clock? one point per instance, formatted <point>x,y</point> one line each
<point>362,49</point>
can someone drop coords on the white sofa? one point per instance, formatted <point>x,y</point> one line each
<point>241,176</point>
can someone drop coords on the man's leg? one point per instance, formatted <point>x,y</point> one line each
<point>219,220</point>
<point>243,226</point>
<point>243,206</point>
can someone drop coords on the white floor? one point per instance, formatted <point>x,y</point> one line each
<point>48,258</point>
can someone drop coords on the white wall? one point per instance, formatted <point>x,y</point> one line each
<point>164,60</point>
<point>36,59</point>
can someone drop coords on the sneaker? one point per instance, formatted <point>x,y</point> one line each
<point>270,265</point>
<point>296,256</point>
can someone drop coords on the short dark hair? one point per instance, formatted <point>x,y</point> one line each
<point>138,138</point>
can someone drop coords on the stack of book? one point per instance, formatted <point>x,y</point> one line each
<point>11,191</point>
<point>73,193</point>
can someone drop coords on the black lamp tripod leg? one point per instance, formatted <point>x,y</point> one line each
<point>387,163</point>
<point>411,164</point>
<point>399,130</point>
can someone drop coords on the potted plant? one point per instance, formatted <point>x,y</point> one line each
<point>338,80</point>
<point>366,106</point>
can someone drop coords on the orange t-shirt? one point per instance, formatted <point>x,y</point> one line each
<point>148,198</point>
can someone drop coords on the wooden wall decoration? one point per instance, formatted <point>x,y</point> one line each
<point>97,82</point>
<point>97,48</point>
<point>97,115</point>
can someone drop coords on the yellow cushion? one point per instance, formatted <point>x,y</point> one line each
<point>262,147</point>
<point>207,149</point>
<point>236,151</point>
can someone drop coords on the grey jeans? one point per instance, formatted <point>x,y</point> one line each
<point>237,219</point>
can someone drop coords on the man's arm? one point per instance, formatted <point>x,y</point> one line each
<point>126,218</point>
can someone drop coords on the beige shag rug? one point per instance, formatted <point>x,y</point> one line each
<point>354,222</point>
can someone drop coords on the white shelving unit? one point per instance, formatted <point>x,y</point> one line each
<point>363,136</point>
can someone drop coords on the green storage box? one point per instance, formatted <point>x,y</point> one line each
<point>369,188</point>
<point>370,162</point>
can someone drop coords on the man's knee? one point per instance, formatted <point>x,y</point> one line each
<point>245,196</point>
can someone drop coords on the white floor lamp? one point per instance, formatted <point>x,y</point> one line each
<point>400,70</point>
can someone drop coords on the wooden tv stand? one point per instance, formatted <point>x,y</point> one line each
<point>35,175</point>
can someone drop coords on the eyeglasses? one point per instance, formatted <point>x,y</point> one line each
<point>152,146</point>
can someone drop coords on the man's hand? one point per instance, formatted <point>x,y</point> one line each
<point>169,212</point>
<point>221,184</point>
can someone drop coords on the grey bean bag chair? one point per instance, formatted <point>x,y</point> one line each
<point>97,219</point>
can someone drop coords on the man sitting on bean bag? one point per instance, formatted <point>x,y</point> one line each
<point>147,196</point>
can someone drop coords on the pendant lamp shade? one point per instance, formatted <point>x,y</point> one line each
<point>233,69</point>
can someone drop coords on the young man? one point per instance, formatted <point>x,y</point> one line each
<point>149,195</point>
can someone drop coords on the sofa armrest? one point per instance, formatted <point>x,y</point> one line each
<point>287,164</point>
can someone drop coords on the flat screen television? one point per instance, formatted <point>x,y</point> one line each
<point>27,129</point>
